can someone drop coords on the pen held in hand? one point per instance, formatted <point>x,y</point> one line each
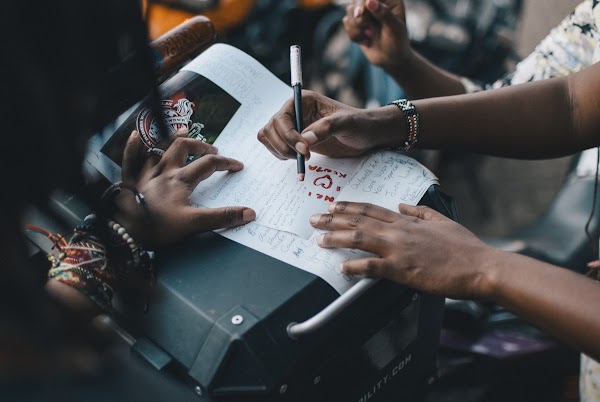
<point>296,73</point>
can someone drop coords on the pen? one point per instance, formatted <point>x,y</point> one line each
<point>296,72</point>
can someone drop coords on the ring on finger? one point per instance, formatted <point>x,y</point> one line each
<point>156,151</point>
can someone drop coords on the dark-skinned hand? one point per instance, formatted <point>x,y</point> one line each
<point>417,247</point>
<point>332,128</point>
<point>167,183</point>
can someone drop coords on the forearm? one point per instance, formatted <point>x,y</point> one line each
<point>419,78</point>
<point>529,121</point>
<point>558,301</point>
<point>544,119</point>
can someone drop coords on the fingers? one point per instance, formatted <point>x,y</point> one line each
<point>359,239</point>
<point>203,168</point>
<point>183,132</point>
<point>421,212</point>
<point>206,219</point>
<point>370,210</point>
<point>349,216</point>
<point>371,267</point>
<point>380,11</point>
<point>359,25</point>
<point>132,158</point>
<point>181,148</point>
<point>279,135</point>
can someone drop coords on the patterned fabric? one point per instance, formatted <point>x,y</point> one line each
<point>570,47</point>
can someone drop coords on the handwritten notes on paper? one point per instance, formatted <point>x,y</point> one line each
<point>387,178</point>
<point>299,252</point>
<point>269,186</point>
<point>384,178</point>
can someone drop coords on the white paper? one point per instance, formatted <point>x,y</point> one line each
<point>386,179</point>
<point>269,186</point>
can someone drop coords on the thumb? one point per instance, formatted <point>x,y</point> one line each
<point>421,212</point>
<point>207,219</point>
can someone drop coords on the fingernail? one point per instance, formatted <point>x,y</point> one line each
<point>301,147</point>
<point>320,240</point>
<point>342,268</point>
<point>183,129</point>
<point>372,5</point>
<point>248,215</point>
<point>594,264</point>
<point>310,137</point>
<point>369,33</point>
<point>133,134</point>
<point>357,12</point>
<point>331,207</point>
<point>314,219</point>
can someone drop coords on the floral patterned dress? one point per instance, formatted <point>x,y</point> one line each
<point>570,47</point>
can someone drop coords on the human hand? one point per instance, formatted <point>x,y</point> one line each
<point>167,184</point>
<point>379,27</point>
<point>417,247</point>
<point>332,128</point>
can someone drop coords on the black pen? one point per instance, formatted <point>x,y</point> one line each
<point>296,70</point>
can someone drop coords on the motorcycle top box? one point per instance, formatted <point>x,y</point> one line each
<point>237,325</point>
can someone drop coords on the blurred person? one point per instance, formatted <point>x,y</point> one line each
<point>419,247</point>
<point>379,27</point>
<point>68,67</point>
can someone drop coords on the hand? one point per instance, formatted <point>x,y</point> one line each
<point>417,247</point>
<point>332,128</point>
<point>379,27</point>
<point>167,184</point>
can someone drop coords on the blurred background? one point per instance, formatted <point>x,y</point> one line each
<point>518,191</point>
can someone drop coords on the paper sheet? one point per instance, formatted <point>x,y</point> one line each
<point>270,186</point>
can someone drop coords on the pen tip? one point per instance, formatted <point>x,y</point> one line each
<point>300,176</point>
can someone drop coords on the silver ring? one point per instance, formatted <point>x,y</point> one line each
<point>156,151</point>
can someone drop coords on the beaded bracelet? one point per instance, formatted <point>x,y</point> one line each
<point>115,189</point>
<point>411,121</point>
<point>83,261</point>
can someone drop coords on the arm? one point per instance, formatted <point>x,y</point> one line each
<point>423,249</point>
<point>545,119</point>
<point>379,27</point>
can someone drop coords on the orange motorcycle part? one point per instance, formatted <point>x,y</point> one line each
<point>228,14</point>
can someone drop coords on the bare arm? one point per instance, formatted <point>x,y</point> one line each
<point>379,27</point>
<point>558,301</point>
<point>536,120</point>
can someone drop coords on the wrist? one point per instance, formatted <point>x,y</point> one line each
<point>128,207</point>
<point>488,283</point>
<point>402,66</point>
<point>390,128</point>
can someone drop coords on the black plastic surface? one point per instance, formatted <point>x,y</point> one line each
<point>205,282</point>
